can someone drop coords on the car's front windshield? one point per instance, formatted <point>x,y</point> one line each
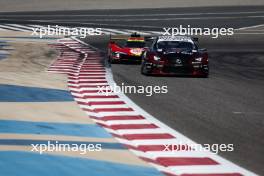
<point>175,44</point>
<point>135,44</point>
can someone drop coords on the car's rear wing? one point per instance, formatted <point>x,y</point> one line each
<point>127,37</point>
<point>119,37</point>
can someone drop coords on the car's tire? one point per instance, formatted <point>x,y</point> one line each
<point>205,75</point>
<point>111,61</point>
<point>144,70</point>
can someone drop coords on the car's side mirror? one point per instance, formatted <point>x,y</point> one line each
<point>195,39</point>
<point>202,50</point>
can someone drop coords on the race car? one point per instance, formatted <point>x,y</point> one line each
<point>131,50</point>
<point>175,55</point>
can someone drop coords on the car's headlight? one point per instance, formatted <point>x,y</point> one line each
<point>144,54</point>
<point>199,59</point>
<point>117,54</point>
<point>156,58</point>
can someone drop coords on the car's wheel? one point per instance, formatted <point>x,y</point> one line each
<point>144,70</point>
<point>111,61</point>
<point>204,72</point>
<point>206,76</point>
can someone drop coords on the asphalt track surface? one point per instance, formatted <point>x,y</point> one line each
<point>55,5</point>
<point>144,19</point>
<point>225,108</point>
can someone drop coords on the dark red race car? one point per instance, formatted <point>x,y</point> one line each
<point>175,55</point>
<point>127,49</point>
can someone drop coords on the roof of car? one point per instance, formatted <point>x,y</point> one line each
<point>174,38</point>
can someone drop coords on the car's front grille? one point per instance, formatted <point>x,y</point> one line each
<point>179,70</point>
<point>177,59</point>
